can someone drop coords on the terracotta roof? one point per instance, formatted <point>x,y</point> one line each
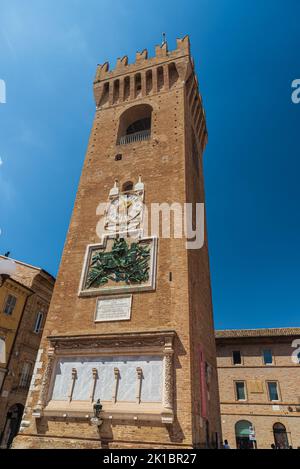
<point>40,269</point>
<point>235,333</point>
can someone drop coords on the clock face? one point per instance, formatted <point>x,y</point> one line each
<point>134,207</point>
<point>124,209</point>
<point>113,211</point>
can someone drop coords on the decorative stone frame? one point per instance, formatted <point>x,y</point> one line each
<point>124,344</point>
<point>98,319</point>
<point>150,285</point>
<point>133,225</point>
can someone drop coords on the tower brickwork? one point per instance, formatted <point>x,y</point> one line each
<point>130,322</point>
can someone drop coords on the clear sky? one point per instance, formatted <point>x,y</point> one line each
<point>246,54</point>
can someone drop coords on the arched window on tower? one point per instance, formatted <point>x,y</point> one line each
<point>149,81</point>
<point>137,85</point>
<point>160,78</point>
<point>105,94</point>
<point>135,124</point>
<point>116,91</point>
<point>173,75</point>
<point>126,88</point>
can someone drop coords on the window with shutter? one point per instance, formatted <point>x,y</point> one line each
<point>10,304</point>
<point>25,375</point>
<point>38,323</point>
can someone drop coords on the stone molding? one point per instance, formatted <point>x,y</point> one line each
<point>160,343</point>
<point>110,290</point>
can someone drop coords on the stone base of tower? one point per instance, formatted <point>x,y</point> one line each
<point>36,442</point>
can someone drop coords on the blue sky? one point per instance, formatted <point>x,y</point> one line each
<point>246,54</point>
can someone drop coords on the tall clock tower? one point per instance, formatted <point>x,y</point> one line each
<point>130,322</point>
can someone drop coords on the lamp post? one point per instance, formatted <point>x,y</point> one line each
<point>96,420</point>
<point>97,408</point>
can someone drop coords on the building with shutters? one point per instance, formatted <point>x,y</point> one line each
<point>24,301</point>
<point>259,383</point>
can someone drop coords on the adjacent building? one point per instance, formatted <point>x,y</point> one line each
<point>24,301</point>
<point>259,383</point>
<point>13,297</point>
<point>130,321</point>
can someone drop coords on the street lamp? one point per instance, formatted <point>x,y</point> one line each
<point>97,408</point>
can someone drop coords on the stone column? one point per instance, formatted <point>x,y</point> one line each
<point>154,80</point>
<point>132,87</point>
<point>111,93</point>
<point>46,379</point>
<point>143,83</point>
<point>168,373</point>
<point>121,90</point>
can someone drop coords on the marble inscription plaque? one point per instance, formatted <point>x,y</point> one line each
<point>113,309</point>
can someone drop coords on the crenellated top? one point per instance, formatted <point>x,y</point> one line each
<point>161,55</point>
<point>167,71</point>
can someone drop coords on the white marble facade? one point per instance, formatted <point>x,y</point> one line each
<point>86,378</point>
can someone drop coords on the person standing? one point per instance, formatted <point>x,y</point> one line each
<point>226,445</point>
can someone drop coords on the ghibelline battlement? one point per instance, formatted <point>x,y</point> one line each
<point>162,54</point>
<point>168,71</point>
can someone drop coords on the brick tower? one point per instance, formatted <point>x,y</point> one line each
<point>130,322</point>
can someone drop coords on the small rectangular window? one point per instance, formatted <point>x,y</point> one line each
<point>236,357</point>
<point>240,391</point>
<point>38,323</point>
<point>273,390</point>
<point>268,357</point>
<point>2,351</point>
<point>10,305</point>
<point>25,375</point>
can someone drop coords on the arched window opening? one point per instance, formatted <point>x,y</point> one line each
<point>127,186</point>
<point>244,434</point>
<point>173,75</point>
<point>135,124</point>
<point>105,94</point>
<point>149,82</point>
<point>137,85</point>
<point>126,88</point>
<point>139,126</point>
<point>12,425</point>
<point>116,91</point>
<point>280,436</point>
<point>160,78</point>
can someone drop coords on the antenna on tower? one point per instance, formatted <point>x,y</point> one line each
<point>163,38</point>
